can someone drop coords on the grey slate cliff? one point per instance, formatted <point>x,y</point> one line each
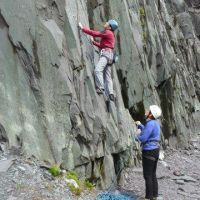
<point>49,106</point>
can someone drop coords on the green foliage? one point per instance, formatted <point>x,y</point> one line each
<point>72,175</point>
<point>83,184</point>
<point>143,23</point>
<point>88,185</point>
<point>144,37</point>
<point>73,189</point>
<point>55,170</point>
<point>142,12</point>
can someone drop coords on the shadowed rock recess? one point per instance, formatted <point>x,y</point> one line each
<point>49,106</point>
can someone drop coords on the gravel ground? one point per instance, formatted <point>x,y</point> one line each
<point>26,180</point>
<point>178,176</point>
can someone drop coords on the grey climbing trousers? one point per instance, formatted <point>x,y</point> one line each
<point>103,78</point>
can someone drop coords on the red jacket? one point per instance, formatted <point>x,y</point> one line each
<point>107,38</point>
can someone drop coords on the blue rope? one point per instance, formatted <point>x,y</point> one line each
<point>112,196</point>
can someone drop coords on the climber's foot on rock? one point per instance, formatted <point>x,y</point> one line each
<point>111,97</point>
<point>99,91</point>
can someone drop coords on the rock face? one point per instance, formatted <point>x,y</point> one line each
<point>49,106</point>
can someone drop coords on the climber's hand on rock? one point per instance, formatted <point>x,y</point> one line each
<point>91,39</point>
<point>80,25</point>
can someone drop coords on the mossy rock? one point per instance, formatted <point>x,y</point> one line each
<point>55,170</point>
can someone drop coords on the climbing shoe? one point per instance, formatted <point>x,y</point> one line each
<point>99,91</point>
<point>111,97</point>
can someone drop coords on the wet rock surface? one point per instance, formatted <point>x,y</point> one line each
<point>180,181</point>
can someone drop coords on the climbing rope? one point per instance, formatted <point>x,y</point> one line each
<point>116,196</point>
<point>109,195</point>
<point>112,186</point>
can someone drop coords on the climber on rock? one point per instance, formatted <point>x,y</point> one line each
<point>103,79</point>
<point>149,138</point>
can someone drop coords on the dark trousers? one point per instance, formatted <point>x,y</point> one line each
<point>149,162</point>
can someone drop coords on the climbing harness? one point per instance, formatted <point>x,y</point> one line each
<point>156,142</point>
<point>150,158</point>
<point>111,60</point>
<point>111,57</point>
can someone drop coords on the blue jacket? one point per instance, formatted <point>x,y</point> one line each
<point>150,133</point>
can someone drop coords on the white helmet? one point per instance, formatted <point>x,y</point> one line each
<point>155,111</point>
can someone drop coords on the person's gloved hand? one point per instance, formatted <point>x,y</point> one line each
<point>138,123</point>
<point>80,25</point>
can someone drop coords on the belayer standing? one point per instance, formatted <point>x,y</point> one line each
<point>103,79</point>
<point>149,138</point>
